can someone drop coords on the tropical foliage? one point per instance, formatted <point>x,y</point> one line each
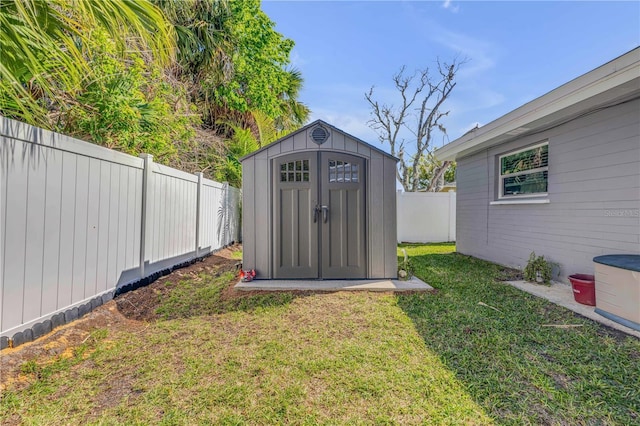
<point>158,76</point>
<point>244,141</point>
<point>43,46</point>
<point>130,108</point>
<point>235,63</point>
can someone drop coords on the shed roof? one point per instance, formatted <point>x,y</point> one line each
<point>315,123</point>
<point>613,83</point>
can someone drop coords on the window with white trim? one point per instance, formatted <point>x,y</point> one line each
<point>524,172</point>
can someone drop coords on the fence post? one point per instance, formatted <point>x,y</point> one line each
<point>146,183</point>
<point>239,218</point>
<point>400,208</point>
<point>225,220</point>
<point>198,215</point>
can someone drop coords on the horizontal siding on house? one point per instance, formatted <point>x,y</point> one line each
<point>471,204</point>
<point>594,194</point>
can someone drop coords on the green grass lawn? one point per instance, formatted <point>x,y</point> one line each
<point>345,358</point>
<point>518,371</point>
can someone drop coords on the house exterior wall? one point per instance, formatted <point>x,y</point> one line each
<point>257,214</point>
<point>594,196</point>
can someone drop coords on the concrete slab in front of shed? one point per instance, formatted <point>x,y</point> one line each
<point>414,284</point>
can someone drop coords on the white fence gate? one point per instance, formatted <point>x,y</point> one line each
<point>426,217</point>
<point>80,221</point>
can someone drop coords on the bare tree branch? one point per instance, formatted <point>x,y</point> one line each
<point>387,120</point>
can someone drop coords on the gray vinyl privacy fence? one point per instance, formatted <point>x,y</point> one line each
<point>80,221</point>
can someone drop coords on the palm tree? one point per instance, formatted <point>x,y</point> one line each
<point>202,36</point>
<point>204,48</point>
<point>294,113</point>
<point>42,47</point>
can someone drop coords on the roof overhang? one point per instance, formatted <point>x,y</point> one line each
<point>310,125</point>
<point>614,82</point>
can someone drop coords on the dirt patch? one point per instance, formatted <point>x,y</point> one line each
<point>59,343</point>
<point>141,304</point>
<point>128,312</point>
<point>509,274</point>
<point>112,393</point>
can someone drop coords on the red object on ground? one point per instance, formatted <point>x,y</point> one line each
<point>247,276</point>
<point>584,288</point>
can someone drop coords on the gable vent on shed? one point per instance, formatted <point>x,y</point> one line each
<point>319,134</point>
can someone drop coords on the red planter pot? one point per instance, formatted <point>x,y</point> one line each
<point>584,288</point>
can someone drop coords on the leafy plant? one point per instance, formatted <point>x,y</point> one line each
<point>433,174</point>
<point>156,76</point>
<point>539,268</point>
<point>42,43</point>
<point>234,61</point>
<point>126,105</point>
<point>228,167</point>
<point>405,268</point>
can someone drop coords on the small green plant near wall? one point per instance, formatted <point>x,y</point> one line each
<point>405,269</point>
<point>539,269</point>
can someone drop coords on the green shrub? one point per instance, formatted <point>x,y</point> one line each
<point>539,268</point>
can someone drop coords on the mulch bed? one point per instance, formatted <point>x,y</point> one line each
<point>141,304</point>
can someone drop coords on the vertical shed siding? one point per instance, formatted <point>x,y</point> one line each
<point>248,214</point>
<point>390,229</point>
<point>594,193</point>
<point>375,193</point>
<point>262,196</point>
<point>258,242</point>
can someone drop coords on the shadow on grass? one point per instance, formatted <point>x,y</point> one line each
<point>203,288</point>
<point>505,346</point>
<point>211,294</point>
<point>216,295</point>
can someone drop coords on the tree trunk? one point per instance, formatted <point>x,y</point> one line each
<point>438,174</point>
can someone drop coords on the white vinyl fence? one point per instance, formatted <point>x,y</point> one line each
<point>426,217</point>
<point>80,221</point>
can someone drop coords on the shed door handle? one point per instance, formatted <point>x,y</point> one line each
<point>325,213</point>
<point>316,210</point>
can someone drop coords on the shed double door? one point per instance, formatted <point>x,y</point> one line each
<point>319,216</point>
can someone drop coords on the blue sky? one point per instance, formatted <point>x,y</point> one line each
<point>516,51</point>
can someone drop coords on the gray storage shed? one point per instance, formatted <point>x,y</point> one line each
<point>319,204</point>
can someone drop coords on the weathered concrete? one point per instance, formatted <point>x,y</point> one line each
<point>562,294</point>
<point>414,284</point>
